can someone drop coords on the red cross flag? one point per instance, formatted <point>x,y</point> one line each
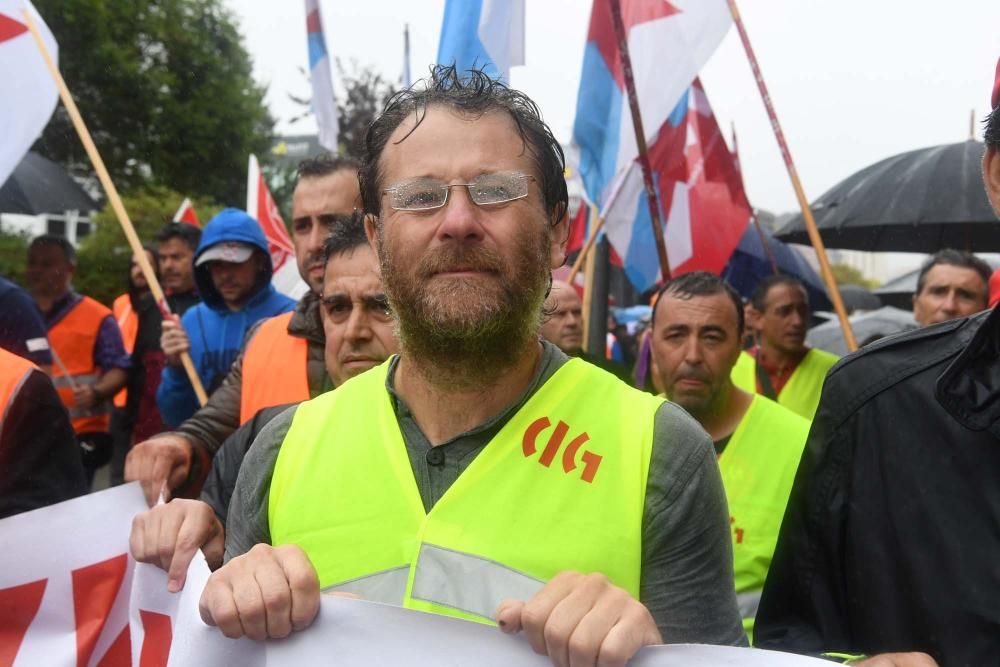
<point>261,207</point>
<point>28,91</point>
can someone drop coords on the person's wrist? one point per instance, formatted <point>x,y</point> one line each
<point>98,394</point>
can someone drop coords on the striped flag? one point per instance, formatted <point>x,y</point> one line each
<point>486,34</point>
<point>324,102</point>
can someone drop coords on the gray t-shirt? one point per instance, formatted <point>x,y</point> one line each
<point>687,559</point>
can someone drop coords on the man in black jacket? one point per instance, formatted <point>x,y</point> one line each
<point>890,541</point>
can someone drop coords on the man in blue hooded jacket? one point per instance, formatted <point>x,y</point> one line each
<point>232,270</point>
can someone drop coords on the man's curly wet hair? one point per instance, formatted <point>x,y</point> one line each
<point>472,93</point>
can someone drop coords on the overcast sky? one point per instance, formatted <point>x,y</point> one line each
<point>853,81</point>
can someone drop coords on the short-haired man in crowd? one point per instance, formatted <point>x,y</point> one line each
<point>562,325</point>
<point>466,202</point>
<point>282,362</point>
<point>90,359</point>
<point>233,273</point>
<point>176,244</point>
<point>696,338</point>
<point>781,366</point>
<point>951,284</point>
<point>359,335</point>
<point>890,540</point>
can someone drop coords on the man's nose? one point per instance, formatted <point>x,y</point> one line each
<point>358,325</point>
<point>950,303</point>
<point>462,219</point>
<point>318,234</point>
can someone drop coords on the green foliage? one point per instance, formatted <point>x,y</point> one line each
<point>13,255</point>
<point>848,275</point>
<point>104,256</point>
<point>166,90</point>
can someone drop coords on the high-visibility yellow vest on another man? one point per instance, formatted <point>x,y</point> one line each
<point>560,487</point>
<point>73,339</point>
<point>275,368</point>
<point>758,467</point>
<point>802,391</point>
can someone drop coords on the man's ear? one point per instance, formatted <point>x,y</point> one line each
<point>371,231</point>
<point>560,236</point>
<point>991,177</point>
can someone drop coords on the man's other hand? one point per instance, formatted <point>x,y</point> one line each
<point>266,593</point>
<point>174,340</point>
<point>170,535</point>
<point>579,619</point>
<point>898,660</point>
<point>161,460</point>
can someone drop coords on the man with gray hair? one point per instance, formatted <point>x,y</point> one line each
<point>951,284</point>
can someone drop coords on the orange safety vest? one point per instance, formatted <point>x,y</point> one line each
<point>274,368</point>
<point>14,370</point>
<point>73,339</point>
<point>128,322</point>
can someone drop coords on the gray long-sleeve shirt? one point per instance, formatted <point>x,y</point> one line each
<point>687,561</point>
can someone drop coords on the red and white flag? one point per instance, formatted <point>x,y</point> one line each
<point>187,214</point>
<point>29,93</point>
<point>261,207</point>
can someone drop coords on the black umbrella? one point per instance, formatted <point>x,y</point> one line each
<point>921,201</point>
<point>40,186</point>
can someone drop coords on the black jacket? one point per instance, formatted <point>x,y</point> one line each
<point>891,540</point>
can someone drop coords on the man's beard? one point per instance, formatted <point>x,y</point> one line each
<point>468,330</point>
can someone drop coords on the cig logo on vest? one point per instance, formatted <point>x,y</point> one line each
<point>589,460</point>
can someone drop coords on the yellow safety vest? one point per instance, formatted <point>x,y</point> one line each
<point>560,487</point>
<point>802,391</point>
<point>758,467</point>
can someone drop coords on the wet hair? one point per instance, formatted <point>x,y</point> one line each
<point>700,283</point>
<point>758,299</point>
<point>961,259</point>
<point>52,241</point>
<point>346,234</point>
<point>189,234</point>
<point>472,93</point>
<point>325,164</point>
<point>991,129</point>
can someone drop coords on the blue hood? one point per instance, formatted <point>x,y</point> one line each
<point>229,225</point>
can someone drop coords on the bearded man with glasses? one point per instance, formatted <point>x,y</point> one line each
<point>480,473</point>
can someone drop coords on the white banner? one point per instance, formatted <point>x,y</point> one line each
<point>71,595</point>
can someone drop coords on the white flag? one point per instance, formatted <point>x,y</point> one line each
<point>29,93</point>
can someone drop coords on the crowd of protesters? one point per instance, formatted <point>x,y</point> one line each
<point>424,427</point>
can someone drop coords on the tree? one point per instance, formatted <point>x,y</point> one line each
<point>166,90</point>
<point>845,274</point>
<point>362,94</point>
<point>13,255</point>
<point>103,257</point>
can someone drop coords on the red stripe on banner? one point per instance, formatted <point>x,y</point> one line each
<point>18,607</point>
<point>9,28</point>
<point>95,588</point>
<point>157,636</point>
<point>119,654</point>
<point>312,22</point>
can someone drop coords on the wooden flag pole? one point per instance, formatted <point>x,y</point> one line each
<point>814,237</point>
<point>640,139</point>
<point>585,251</point>
<point>112,192</point>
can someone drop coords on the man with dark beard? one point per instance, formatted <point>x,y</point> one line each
<point>480,471</point>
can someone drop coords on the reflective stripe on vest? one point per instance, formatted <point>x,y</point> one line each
<point>275,368</point>
<point>74,338</point>
<point>573,463</point>
<point>758,467</point>
<point>14,372</point>
<point>802,391</point>
<point>128,323</point>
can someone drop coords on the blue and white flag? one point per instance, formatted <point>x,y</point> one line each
<point>323,101</point>
<point>486,34</point>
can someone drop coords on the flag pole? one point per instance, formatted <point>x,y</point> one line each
<point>113,198</point>
<point>814,237</point>
<point>585,250</point>
<point>640,139</point>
